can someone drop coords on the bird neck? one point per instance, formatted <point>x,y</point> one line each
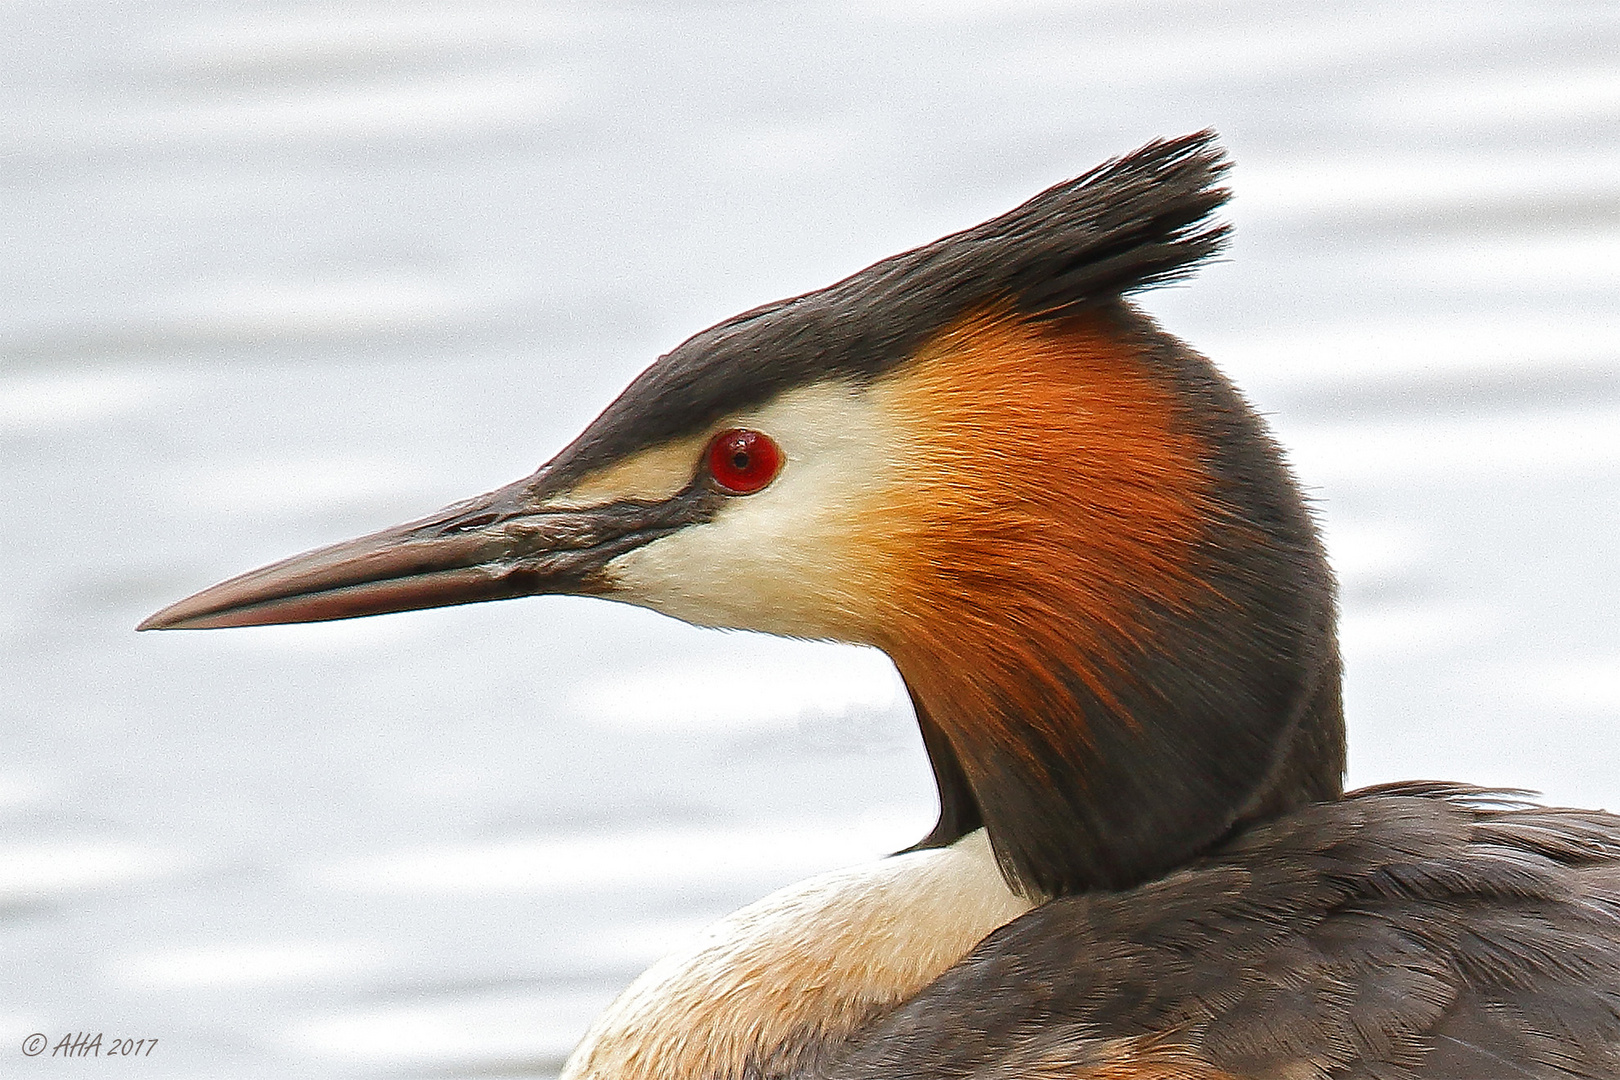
<point>1119,632</point>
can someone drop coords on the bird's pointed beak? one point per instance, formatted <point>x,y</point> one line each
<point>504,544</point>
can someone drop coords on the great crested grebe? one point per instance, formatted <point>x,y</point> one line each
<point>1112,611</point>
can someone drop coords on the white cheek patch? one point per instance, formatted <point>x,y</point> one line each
<point>782,560</point>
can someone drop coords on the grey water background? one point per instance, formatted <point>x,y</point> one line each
<point>274,274</point>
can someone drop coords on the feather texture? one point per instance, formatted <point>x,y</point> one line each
<point>1408,932</point>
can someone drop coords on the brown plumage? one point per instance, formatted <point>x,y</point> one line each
<point>1413,931</point>
<point>1111,607</point>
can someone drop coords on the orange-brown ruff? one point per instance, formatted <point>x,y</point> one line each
<point>1108,599</point>
<point>1058,477</point>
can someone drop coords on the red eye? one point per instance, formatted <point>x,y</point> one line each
<point>744,461</point>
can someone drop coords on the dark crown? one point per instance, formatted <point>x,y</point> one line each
<point>1131,223</point>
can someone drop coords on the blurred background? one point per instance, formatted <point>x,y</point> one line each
<point>275,274</point>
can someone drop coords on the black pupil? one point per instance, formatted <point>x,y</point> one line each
<point>739,460</point>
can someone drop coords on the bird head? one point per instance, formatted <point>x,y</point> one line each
<point>1079,546</point>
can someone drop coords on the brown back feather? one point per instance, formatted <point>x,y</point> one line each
<point>1428,932</point>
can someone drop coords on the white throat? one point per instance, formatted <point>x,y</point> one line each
<point>792,975</point>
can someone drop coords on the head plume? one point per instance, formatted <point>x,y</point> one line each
<point>1129,224</point>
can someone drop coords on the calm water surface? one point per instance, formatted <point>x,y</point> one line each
<point>276,274</point>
